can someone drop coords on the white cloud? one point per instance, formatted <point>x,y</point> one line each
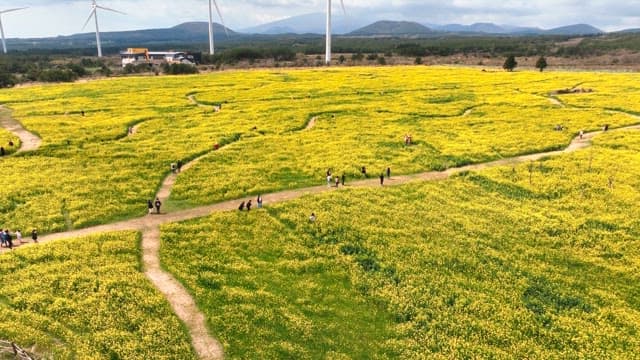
<point>55,17</point>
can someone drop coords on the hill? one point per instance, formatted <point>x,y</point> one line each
<point>393,28</point>
<point>578,29</point>
<point>308,24</point>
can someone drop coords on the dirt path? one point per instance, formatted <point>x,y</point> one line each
<point>165,189</point>
<point>555,101</point>
<point>181,301</point>
<point>312,123</point>
<point>467,112</point>
<point>140,224</point>
<point>28,141</point>
<point>194,101</point>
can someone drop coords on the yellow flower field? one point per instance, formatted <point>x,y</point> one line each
<point>86,299</point>
<point>94,173</point>
<point>537,261</point>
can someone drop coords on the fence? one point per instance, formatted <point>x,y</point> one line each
<point>7,347</point>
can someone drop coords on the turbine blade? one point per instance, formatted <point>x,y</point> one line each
<point>11,10</point>
<point>93,12</point>
<point>215,3</point>
<point>106,8</point>
<point>343,9</point>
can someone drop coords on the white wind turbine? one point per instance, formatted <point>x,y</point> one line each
<point>4,44</point>
<point>94,14</point>
<point>328,53</point>
<point>213,3</point>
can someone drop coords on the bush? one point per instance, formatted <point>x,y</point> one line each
<point>7,80</point>
<point>136,69</point>
<point>357,57</point>
<point>372,57</point>
<point>57,75</point>
<point>382,61</point>
<point>179,69</point>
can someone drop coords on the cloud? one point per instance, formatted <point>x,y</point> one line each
<point>54,17</point>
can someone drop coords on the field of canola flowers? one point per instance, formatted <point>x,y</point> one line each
<point>537,261</point>
<point>86,299</point>
<point>95,173</point>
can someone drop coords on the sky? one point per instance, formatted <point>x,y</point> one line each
<point>64,17</point>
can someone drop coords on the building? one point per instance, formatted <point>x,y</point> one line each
<point>137,56</point>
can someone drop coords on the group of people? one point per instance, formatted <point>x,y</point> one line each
<point>176,167</point>
<point>338,179</point>
<point>407,139</point>
<point>6,239</point>
<point>249,204</point>
<point>154,204</point>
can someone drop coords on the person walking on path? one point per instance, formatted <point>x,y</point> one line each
<point>337,181</point>
<point>312,218</point>
<point>343,178</point>
<point>241,207</point>
<point>581,134</point>
<point>364,171</point>
<point>158,203</point>
<point>150,206</point>
<point>381,179</point>
<point>19,236</point>
<point>173,168</point>
<point>179,165</point>
<point>249,205</point>
<point>328,180</point>
<point>388,173</point>
<point>259,201</point>
<point>34,235</point>
<point>3,239</point>
<point>9,239</point>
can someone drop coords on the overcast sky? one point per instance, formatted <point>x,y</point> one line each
<point>64,17</point>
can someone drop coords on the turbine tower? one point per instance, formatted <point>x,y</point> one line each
<point>4,44</point>
<point>94,14</point>
<point>213,3</point>
<point>328,45</point>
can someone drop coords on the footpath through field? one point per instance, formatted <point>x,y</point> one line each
<point>28,141</point>
<point>181,301</point>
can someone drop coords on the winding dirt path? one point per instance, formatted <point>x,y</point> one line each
<point>194,101</point>
<point>28,141</point>
<point>181,301</point>
<point>149,221</point>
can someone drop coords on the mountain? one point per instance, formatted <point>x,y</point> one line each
<point>392,28</point>
<point>314,23</point>
<point>578,29</point>
<point>187,33</point>
<point>486,28</point>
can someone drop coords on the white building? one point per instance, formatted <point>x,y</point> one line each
<point>137,56</point>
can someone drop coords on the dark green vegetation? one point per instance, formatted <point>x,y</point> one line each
<point>58,62</point>
<point>492,265</point>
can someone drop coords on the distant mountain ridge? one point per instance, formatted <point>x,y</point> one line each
<point>354,25</point>
<point>393,28</point>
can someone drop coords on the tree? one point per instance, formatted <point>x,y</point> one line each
<point>541,63</point>
<point>342,59</point>
<point>418,61</point>
<point>510,63</point>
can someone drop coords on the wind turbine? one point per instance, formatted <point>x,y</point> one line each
<point>94,13</point>
<point>213,3</point>
<point>4,44</point>
<point>328,54</point>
